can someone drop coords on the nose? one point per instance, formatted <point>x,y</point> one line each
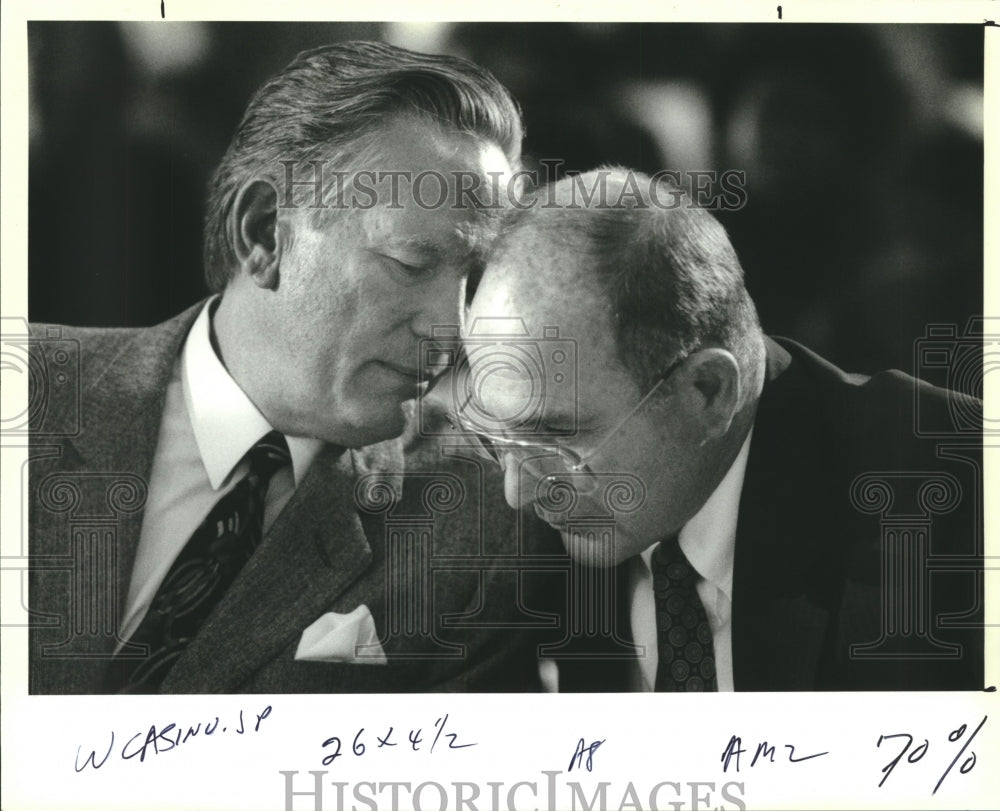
<point>439,304</point>
<point>518,488</point>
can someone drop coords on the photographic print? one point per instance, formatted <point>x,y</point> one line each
<point>401,401</point>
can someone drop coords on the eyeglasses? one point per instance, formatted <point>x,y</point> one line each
<point>545,460</point>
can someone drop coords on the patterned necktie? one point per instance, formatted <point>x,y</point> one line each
<point>686,655</point>
<point>203,571</point>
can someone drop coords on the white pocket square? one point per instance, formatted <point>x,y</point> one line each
<point>342,638</point>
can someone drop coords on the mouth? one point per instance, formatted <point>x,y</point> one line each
<point>409,375</point>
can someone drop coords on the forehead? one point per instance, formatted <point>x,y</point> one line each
<point>420,171</point>
<point>541,347</point>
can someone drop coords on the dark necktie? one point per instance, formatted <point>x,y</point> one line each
<point>203,571</point>
<point>684,639</point>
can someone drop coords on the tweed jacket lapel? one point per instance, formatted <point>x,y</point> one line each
<point>129,394</point>
<point>315,550</point>
<point>782,550</point>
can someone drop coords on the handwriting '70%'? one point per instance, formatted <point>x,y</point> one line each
<point>917,754</point>
<point>333,745</point>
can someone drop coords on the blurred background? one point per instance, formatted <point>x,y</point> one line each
<point>862,148</point>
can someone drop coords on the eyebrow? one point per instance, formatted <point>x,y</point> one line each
<point>416,244</point>
<point>427,251</point>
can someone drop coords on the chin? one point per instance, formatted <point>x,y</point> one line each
<point>597,547</point>
<point>380,425</point>
<point>371,425</point>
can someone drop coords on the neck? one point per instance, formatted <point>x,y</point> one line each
<point>233,334</point>
<point>722,453</point>
<point>222,332</point>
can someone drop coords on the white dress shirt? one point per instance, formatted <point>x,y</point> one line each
<point>708,541</point>
<point>208,425</point>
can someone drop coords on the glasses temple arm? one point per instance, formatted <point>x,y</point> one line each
<point>621,422</point>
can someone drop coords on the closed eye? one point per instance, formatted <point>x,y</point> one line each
<point>409,271</point>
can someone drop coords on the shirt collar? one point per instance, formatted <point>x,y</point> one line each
<point>708,539</point>
<point>225,423</point>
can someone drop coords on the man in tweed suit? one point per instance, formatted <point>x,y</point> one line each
<point>324,293</point>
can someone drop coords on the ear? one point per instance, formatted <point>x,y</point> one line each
<point>714,389</point>
<point>253,223</point>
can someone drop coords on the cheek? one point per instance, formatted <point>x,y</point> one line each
<point>371,301</point>
<point>326,299</point>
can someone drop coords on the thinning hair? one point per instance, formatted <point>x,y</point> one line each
<point>664,266</point>
<point>329,102</point>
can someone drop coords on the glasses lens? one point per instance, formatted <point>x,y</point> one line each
<point>541,461</point>
<point>559,466</point>
<point>559,491</point>
<point>492,448</point>
<point>480,444</point>
<point>487,447</point>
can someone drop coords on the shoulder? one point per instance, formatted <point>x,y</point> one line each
<point>40,331</point>
<point>91,368</point>
<point>94,350</point>
<point>101,340</point>
<point>824,441</point>
<point>888,409</point>
<point>92,347</point>
<point>89,348</point>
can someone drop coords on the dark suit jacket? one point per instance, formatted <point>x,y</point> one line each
<point>441,611</point>
<point>858,561</point>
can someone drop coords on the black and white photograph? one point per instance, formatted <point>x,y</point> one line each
<point>387,405</point>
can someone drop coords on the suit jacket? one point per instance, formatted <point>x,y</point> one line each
<point>858,557</point>
<point>409,532</point>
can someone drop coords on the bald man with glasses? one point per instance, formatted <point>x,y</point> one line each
<point>732,472</point>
